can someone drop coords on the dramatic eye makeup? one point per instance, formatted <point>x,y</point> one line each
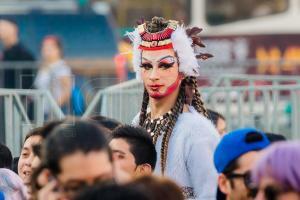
<point>165,63</point>
<point>167,59</point>
<point>146,65</point>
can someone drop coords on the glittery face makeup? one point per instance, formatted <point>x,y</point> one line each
<point>160,72</point>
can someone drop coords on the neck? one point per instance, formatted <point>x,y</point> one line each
<point>161,106</point>
<point>50,61</point>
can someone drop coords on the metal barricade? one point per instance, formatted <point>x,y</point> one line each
<point>269,111</point>
<point>240,104</point>
<point>120,102</point>
<point>15,105</point>
<point>254,80</point>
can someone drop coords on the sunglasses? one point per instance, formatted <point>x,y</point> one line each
<point>247,181</point>
<point>245,176</point>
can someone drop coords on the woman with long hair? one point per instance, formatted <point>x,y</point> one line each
<point>172,111</point>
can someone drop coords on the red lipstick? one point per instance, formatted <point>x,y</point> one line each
<point>155,86</point>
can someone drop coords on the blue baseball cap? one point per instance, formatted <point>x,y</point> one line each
<point>237,143</point>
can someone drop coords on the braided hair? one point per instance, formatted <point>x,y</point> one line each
<point>188,94</point>
<point>167,126</point>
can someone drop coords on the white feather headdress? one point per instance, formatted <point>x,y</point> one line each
<point>181,43</point>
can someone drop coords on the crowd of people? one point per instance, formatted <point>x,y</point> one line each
<point>53,74</point>
<point>174,149</point>
<point>99,158</point>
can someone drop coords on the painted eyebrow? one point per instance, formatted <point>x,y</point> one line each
<point>146,59</point>
<point>168,56</point>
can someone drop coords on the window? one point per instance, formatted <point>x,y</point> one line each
<point>226,11</point>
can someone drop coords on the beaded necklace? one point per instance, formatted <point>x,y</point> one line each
<point>156,127</point>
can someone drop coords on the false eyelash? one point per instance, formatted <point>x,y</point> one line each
<point>167,66</point>
<point>146,65</point>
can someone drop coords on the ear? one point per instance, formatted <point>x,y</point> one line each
<point>144,169</point>
<point>224,184</point>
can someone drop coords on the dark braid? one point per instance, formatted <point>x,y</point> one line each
<point>191,86</point>
<point>197,102</point>
<point>178,108</point>
<point>166,126</point>
<point>143,113</point>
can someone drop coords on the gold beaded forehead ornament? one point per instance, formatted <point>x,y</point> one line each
<point>159,40</point>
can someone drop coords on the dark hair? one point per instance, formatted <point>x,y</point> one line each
<point>158,188</point>
<point>109,123</point>
<point>33,132</point>
<point>49,127</point>
<point>233,165</point>
<point>43,131</point>
<point>188,94</point>
<point>140,142</point>
<point>57,41</point>
<point>111,192</point>
<point>72,136</point>
<point>214,116</point>
<point>5,157</point>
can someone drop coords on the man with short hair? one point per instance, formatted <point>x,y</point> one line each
<point>15,51</point>
<point>218,120</point>
<point>107,122</point>
<point>17,65</point>
<point>234,157</point>
<point>5,157</point>
<point>77,154</point>
<point>133,150</point>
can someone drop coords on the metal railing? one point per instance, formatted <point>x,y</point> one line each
<point>109,101</point>
<point>268,111</point>
<point>254,80</point>
<point>18,118</point>
<point>261,106</point>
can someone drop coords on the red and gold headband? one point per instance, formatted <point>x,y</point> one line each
<point>158,40</point>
